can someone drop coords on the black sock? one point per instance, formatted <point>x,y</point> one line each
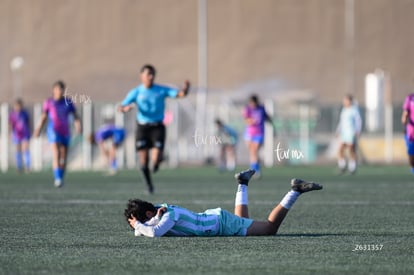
<point>147,176</point>
<point>156,167</point>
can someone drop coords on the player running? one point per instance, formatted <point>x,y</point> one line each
<point>407,120</point>
<point>255,117</point>
<point>149,98</point>
<point>57,110</point>
<point>170,220</point>
<point>20,125</point>
<point>348,131</point>
<point>116,136</point>
<point>228,142</point>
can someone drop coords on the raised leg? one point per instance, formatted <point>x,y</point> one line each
<point>241,202</point>
<point>278,213</point>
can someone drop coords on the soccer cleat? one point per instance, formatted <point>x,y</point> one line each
<point>302,186</point>
<point>58,183</point>
<point>244,176</point>
<point>150,189</point>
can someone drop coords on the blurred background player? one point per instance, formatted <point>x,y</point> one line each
<point>407,120</point>
<point>150,101</point>
<point>116,136</point>
<point>255,117</point>
<point>228,137</point>
<point>57,110</point>
<point>20,125</point>
<point>348,132</point>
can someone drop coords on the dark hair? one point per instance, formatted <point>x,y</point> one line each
<point>349,97</point>
<point>60,84</point>
<point>218,121</point>
<point>19,101</point>
<point>255,99</point>
<point>150,68</point>
<point>138,209</point>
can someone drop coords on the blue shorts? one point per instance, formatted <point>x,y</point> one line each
<point>254,138</point>
<point>410,146</point>
<point>232,225</point>
<point>18,140</point>
<point>53,137</point>
<point>118,137</point>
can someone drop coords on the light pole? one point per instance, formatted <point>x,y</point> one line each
<point>350,46</point>
<point>202,68</point>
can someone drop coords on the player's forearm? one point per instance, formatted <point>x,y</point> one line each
<point>144,230</point>
<point>41,124</point>
<point>154,229</point>
<point>125,108</point>
<point>404,118</point>
<point>185,90</point>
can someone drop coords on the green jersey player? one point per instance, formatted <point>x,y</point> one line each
<point>169,220</point>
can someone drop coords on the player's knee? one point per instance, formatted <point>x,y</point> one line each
<point>272,228</point>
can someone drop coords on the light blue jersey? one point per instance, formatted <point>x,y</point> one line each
<point>178,221</point>
<point>228,135</point>
<point>349,124</point>
<point>150,102</point>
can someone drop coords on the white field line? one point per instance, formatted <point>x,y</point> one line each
<point>197,202</point>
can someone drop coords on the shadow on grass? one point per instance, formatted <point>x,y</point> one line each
<point>312,235</point>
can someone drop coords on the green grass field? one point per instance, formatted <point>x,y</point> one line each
<point>80,229</point>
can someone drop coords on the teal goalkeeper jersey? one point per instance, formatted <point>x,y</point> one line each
<point>178,221</point>
<point>150,102</point>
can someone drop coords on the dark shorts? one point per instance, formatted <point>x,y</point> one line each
<point>149,136</point>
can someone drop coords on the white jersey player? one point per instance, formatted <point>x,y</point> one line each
<point>348,132</point>
<point>169,220</point>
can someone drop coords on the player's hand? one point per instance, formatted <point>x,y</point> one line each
<point>124,109</point>
<point>185,90</point>
<point>161,211</point>
<point>187,84</point>
<point>132,220</point>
